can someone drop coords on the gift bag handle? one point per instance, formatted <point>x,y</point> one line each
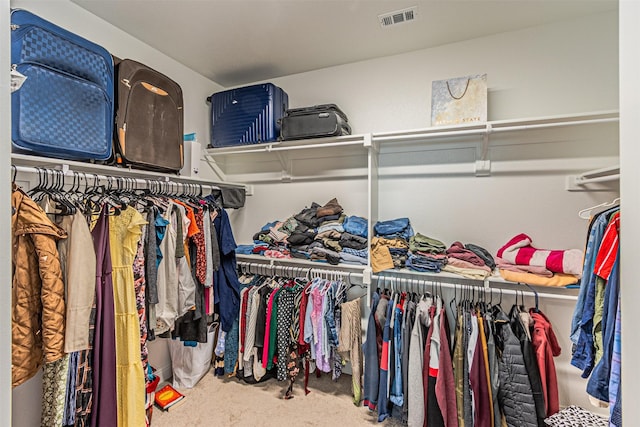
<point>463,93</point>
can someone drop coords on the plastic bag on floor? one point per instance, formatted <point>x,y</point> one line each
<point>190,364</point>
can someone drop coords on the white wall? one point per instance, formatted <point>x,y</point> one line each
<point>630,227</point>
<point>561,68</point>
<point>5,249</point>
<point>27,397</point>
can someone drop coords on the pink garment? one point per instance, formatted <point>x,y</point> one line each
<point>457,262</point>
<point>271,253</point>
<point>276,234</point>
<point>519,251</point>
<point>540,271</point>
<point>265,349</point>
<point>208,300</point>
<point>317,321</point>
<point>457,250</point>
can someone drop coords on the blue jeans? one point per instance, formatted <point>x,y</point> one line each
<point>356,225</point>
<point>397,397</point>
<point>391,227</point>
<point>418,263</point>
<point>329,317</point>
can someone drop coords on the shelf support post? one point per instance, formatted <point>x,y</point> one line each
<point>211,161</point>
<point>483,166</point>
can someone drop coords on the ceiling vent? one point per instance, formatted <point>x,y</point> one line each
<point>398,17</point>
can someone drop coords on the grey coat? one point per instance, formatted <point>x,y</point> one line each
<point>514,393</point>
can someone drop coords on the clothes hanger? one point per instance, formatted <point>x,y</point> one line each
<point>535,296</point>
<point>64,203</point>
<point>454,300</point>
<point>417,290</point>
<point>35,191</point>
<point>586,213</point>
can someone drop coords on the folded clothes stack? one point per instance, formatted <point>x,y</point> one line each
<point>319,233</point>
<point>469,260</point>
<point>390,246</point>
<point>519,261</point>
<point>397,246</point>
<point>427,254</point>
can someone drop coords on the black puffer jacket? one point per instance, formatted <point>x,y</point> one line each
<point>514,394</point>
<point>530,361</point>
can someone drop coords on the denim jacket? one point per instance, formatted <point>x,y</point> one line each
<point>598,385</point>
<point>593,243</point>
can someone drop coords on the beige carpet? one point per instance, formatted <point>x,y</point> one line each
<point>228,402</point>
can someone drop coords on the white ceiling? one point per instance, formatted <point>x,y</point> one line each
<point>234,42</point>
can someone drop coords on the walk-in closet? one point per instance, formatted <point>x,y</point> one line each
<point>556,158</point>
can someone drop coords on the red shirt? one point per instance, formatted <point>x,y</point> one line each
<point>608,248</point>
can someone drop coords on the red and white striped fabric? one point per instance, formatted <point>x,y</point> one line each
<point>520,252</point>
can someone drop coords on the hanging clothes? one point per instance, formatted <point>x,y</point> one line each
<point>139,277</point>
<point>279,317</point>
<point>166,311</point>
<point>416,361</point>
<point>546,347</point>
<point>383,388</point>
<point>225,282</point>
<point>514,394</point>
<point>54,381</point>
<point>125,231</point>
<point>36,299</point>
<point>432,365</point>
<point>350,344</point>
<point>445,389</point>
<point>520,325</point>
<point>104,409</point>
<point>78,265</point>
<point>594,318</point>
<point>407,327</point>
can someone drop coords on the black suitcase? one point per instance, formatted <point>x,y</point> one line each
<point>314,122</point>
<point>149,118</point>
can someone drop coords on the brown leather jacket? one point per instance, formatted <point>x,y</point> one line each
<point>37,300</point>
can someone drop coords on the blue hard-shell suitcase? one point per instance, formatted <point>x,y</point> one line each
<point>247,115</point>
<point>64,108</point>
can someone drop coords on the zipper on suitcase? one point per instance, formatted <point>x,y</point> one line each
<point>66,74</point>
<point>62,74</point>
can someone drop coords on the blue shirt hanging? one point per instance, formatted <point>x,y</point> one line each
<point>226,286</point>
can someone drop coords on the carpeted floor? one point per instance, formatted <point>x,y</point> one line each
<point>228,402</point>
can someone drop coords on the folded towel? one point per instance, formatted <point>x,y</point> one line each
<point>518,250</point>
<point>557,280</point>
<point>533,269</point>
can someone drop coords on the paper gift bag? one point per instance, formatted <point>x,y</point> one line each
<point>459,100</point>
